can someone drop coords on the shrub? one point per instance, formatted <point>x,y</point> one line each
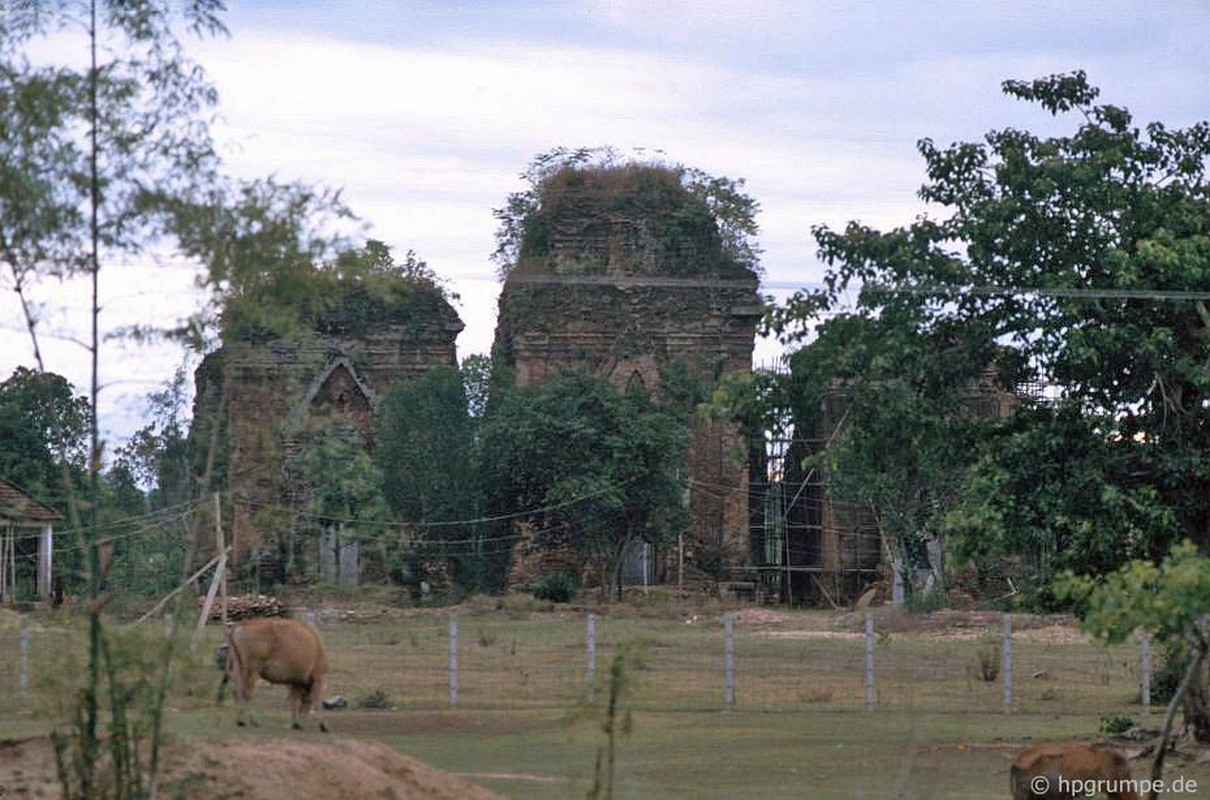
<point>556,588</point>
<point>1119,723</point>
<point>925,602</point>
<point>376,699</point>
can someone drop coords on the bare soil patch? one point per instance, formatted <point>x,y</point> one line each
<point>341,769</point>
<point>948,625</point>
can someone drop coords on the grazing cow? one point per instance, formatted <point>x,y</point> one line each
<point>279,650</point>
<point>1066,771</point>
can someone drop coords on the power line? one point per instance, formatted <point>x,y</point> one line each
<point>1072,292</point>
<point>450,523</point>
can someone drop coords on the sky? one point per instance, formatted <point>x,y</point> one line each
<point>425,115</point>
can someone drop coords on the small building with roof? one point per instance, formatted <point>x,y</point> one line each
<point>26,545</point>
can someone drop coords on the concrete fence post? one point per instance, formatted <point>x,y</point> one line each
<point>591,647</point>
<point>1006,669</point>
<point>453,635</point>
<point>23,676</point>
<point>728,661</point>
<point>869,661</point>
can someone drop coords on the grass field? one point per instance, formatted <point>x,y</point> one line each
<point>526,725</point>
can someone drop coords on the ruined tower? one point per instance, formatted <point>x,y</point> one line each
<point>623,271</point>
<point>269,394</point>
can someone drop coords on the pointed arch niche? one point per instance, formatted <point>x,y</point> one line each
<point>337,393</point>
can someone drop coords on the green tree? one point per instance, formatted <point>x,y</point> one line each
<point>43,434</point>
<point>1057,489</point>
<point>477,376</point>
<point>427,452</point>
<point>888,403</point>
<point>1087,258</point>
<point>151,472</point>
<point>346,488</point>
<point>95,153</point>
<point>155,456</point>
<point>593,469</point>
<point>1169,602</point>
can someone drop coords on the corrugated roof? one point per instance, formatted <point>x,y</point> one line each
<point>17,505</point>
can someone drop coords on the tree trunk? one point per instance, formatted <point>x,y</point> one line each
<point>1194,675</point>
<point>932,546</point>
<point>1197,703</point>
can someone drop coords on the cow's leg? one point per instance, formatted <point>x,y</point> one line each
<point>242,679</point>
<point>297,705</point>
<point>302,701</point>
<point>314,698</point>
<point>243,696</point>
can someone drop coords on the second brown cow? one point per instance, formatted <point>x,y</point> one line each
<point>1069,770</point>
<point>282,651</point>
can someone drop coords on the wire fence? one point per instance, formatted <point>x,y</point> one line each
<point>704,662</point>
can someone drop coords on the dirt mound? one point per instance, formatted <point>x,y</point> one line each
<point>343,769</point>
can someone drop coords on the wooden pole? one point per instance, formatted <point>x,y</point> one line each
<point>46,547</point>
<point>4,564</point>
<point>221,541</point>
<point>680,564</point>
<point>12,563</point>
<point>214,584</point>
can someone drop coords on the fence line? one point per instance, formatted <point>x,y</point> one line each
<point>693,664</point>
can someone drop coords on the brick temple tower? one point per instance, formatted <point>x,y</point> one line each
<point>622,271</point>
<point>268,396</point>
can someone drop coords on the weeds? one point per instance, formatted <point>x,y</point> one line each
<point>135,680</point>
<point>376,699</point>
<point>989,656</point>
<point>616,722</point>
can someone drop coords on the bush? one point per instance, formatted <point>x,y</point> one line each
<point>925,602</point>
<point>1119,723</point>
<point>556,588</point>
<point>376,699</point>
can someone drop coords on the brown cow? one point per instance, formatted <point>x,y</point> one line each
<point>279,650</point>
<point>1065,771</point>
